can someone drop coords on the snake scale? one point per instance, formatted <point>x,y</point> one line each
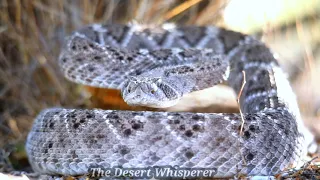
<point>155,66</point>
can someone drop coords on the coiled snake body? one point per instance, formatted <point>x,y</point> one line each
<point>156,66</point>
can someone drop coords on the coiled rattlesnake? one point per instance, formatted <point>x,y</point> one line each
<point>148,65</point>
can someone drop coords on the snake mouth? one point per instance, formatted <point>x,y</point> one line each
<point>136,100</point>
<point>141,101</point>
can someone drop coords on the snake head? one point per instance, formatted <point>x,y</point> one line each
<point>149,91</point>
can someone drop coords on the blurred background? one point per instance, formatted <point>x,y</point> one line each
<point>32,32</point>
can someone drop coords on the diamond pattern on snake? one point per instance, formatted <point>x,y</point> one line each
<point>156,66</point>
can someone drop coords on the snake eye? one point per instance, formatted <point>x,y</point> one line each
<point>153,91</point>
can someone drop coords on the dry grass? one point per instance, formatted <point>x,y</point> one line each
<point>32,31</point>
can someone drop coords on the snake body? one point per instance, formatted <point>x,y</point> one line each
<point>69,141</point>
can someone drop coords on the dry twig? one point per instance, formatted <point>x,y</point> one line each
<point>238,101</point>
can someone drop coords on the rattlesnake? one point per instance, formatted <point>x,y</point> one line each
<point>155,66</point>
